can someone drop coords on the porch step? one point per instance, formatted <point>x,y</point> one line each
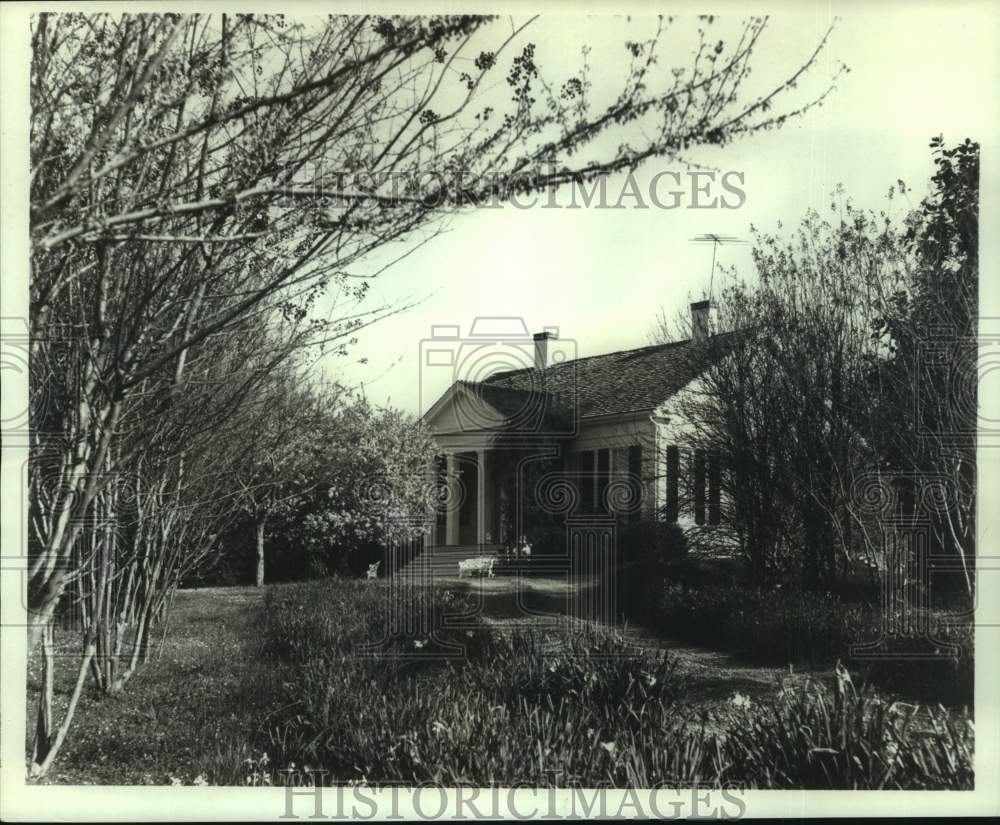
<point>442,562</point>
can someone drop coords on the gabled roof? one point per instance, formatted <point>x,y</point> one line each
<point>610,384</point>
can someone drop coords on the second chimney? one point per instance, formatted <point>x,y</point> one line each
<point>704,319</point>
<point>542,353</point>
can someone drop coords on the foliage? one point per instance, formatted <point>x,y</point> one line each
<point>845,739</point>
<point>579,706</point>
<point>375,485</point>
<point>838,412</point>
<point>779,627</point>
<point>650,550</point>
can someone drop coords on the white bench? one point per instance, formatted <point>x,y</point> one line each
<point>479,566</point>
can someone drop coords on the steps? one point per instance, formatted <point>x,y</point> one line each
<point>437,563</point>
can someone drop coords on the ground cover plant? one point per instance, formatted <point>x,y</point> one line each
<point>248,688</point>
<point>577,705</point>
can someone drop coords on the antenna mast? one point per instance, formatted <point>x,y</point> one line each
<point>715,240</point>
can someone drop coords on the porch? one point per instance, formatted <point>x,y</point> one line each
<point>470,512</point>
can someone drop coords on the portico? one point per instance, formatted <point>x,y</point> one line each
<point>469,514</point>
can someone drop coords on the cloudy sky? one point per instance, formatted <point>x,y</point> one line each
<point>601,275</point>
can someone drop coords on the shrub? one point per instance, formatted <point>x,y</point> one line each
<point>649,550</point>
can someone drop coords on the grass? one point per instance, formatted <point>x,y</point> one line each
<point>320,674</point>
<point>168,722</point>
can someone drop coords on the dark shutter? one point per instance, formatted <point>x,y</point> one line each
<point>714,485</point>
<point>699,486</point>
<point>635,479</point>
<point>673,480</point>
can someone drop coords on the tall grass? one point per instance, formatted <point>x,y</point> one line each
<point>574,706</point>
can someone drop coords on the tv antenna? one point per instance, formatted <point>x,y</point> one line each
<point>715,240</point>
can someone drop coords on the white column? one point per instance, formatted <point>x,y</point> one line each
<point>481,496</point>
<point>454,502</point>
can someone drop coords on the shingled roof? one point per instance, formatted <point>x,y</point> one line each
<point>614,383</point>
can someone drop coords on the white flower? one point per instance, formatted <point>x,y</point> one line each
<point>610,747</point>
<point>200,780</point>
<point>740,701</point>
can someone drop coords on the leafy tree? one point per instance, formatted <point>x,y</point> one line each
<point>376,486</point>
<point>925,376</point>
<point>830,388</point>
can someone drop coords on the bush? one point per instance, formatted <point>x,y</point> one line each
<point>649,551</point>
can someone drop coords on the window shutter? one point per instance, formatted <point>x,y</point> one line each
<point>635,478</point>
<point>673,481</point>
<point>699,486</point>
<point>714,488</point>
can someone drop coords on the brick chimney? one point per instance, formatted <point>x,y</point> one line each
<point>542,349</point>
<point>704,320</point>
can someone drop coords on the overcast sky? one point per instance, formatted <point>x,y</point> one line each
<point>601,275</point>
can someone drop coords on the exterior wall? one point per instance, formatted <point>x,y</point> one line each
<point>617,434</point>
<point>674,429</point>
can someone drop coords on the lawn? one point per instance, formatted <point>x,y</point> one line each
<point>316,674</point>
<point>177,710</point>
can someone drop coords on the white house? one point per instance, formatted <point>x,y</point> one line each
<point>603,428</point>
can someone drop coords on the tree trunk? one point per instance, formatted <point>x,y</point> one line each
<point>43,729</point>
<point>260,553</point>
<point>45,752</point>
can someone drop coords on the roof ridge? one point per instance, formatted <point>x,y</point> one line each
<point>508,373</point>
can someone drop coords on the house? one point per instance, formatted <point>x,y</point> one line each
<point>593,438</point>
